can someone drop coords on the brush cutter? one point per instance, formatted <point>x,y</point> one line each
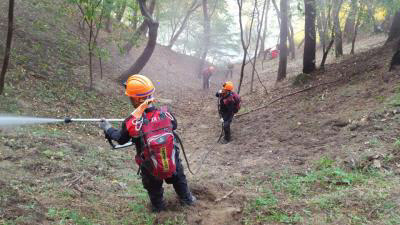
<point>114,146</point>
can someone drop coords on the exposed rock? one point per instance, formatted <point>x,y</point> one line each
<point>364,160</point>
<point>376,164</point>
<point>340,123</point>
<point>377,128</point>
<point>354,126</point>
<point>396,111</point>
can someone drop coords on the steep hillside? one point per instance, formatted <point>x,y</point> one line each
<point>326,156</point>
<point>329,155</point>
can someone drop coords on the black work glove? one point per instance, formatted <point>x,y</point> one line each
<point>105,125</point>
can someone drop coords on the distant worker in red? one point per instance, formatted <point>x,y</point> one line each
<point>275,52</point>
<point>228,105</point>
<point>206,74</point>
<point>229,72</point>
<point>151,129</point>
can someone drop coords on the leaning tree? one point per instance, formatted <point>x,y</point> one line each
<point>143,27</point>
<point>150,46</point>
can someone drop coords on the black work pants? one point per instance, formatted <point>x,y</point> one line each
<point>227,129</point>
<point>229,74</point>
<point>206,82</point>
<point>154,188</point>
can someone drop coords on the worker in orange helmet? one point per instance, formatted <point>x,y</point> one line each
<point>207,73</point>
<point>228,104</point>
<point>157,154</point>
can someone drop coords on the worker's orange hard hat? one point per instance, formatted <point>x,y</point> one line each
<point>228,86</point>
<point>139,86</point>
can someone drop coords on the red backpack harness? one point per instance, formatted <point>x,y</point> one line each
<point>235,98</point>
<point>156,133</point>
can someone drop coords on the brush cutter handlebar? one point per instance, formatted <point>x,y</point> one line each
<point>114,146</point>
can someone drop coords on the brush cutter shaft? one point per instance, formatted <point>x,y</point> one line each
<point>96,120</point>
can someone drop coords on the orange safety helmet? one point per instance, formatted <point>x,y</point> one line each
<point>139,86</point>
<point>228,86</point>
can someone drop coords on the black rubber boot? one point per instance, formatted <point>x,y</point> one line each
<point>157,202</point>
<point>158,208</point>
<point>182,190</point>
<point>227,132</point>
<point>188,200</point>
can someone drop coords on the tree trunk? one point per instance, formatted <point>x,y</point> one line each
<point>90,46</point>
<point>8,44</point>
<point>310,37</point>
<point>191,10</point>
<point>371,14</point>
<point>292,46</point>
<point>94,23</point>
<point>151,12</point>
<point>395,29</point>
<point>324,22</point>
<point>108,27</point>
<point>107,8</point>
<point>283,41</point>
<point>264,36</point>
<point>321,31</point>
<point>355,32</point>
<point>142,30</point>
<point>325,56</point>
<point>338,31</point>
<point>301,43</point>
<point>242,39</point>
<point>206,37</point>
<point>148,50</point>
<point>349,26</point>
<point>278,14</point>
<point>121,11</point>
<point>396,58</point>
<point>101,68</point>
<point>259,27</point>
<point>240,5</point>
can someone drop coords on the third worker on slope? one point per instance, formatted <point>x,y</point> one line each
<point>228,105</point>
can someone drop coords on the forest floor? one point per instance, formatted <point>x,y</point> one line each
<point>330,155</point>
